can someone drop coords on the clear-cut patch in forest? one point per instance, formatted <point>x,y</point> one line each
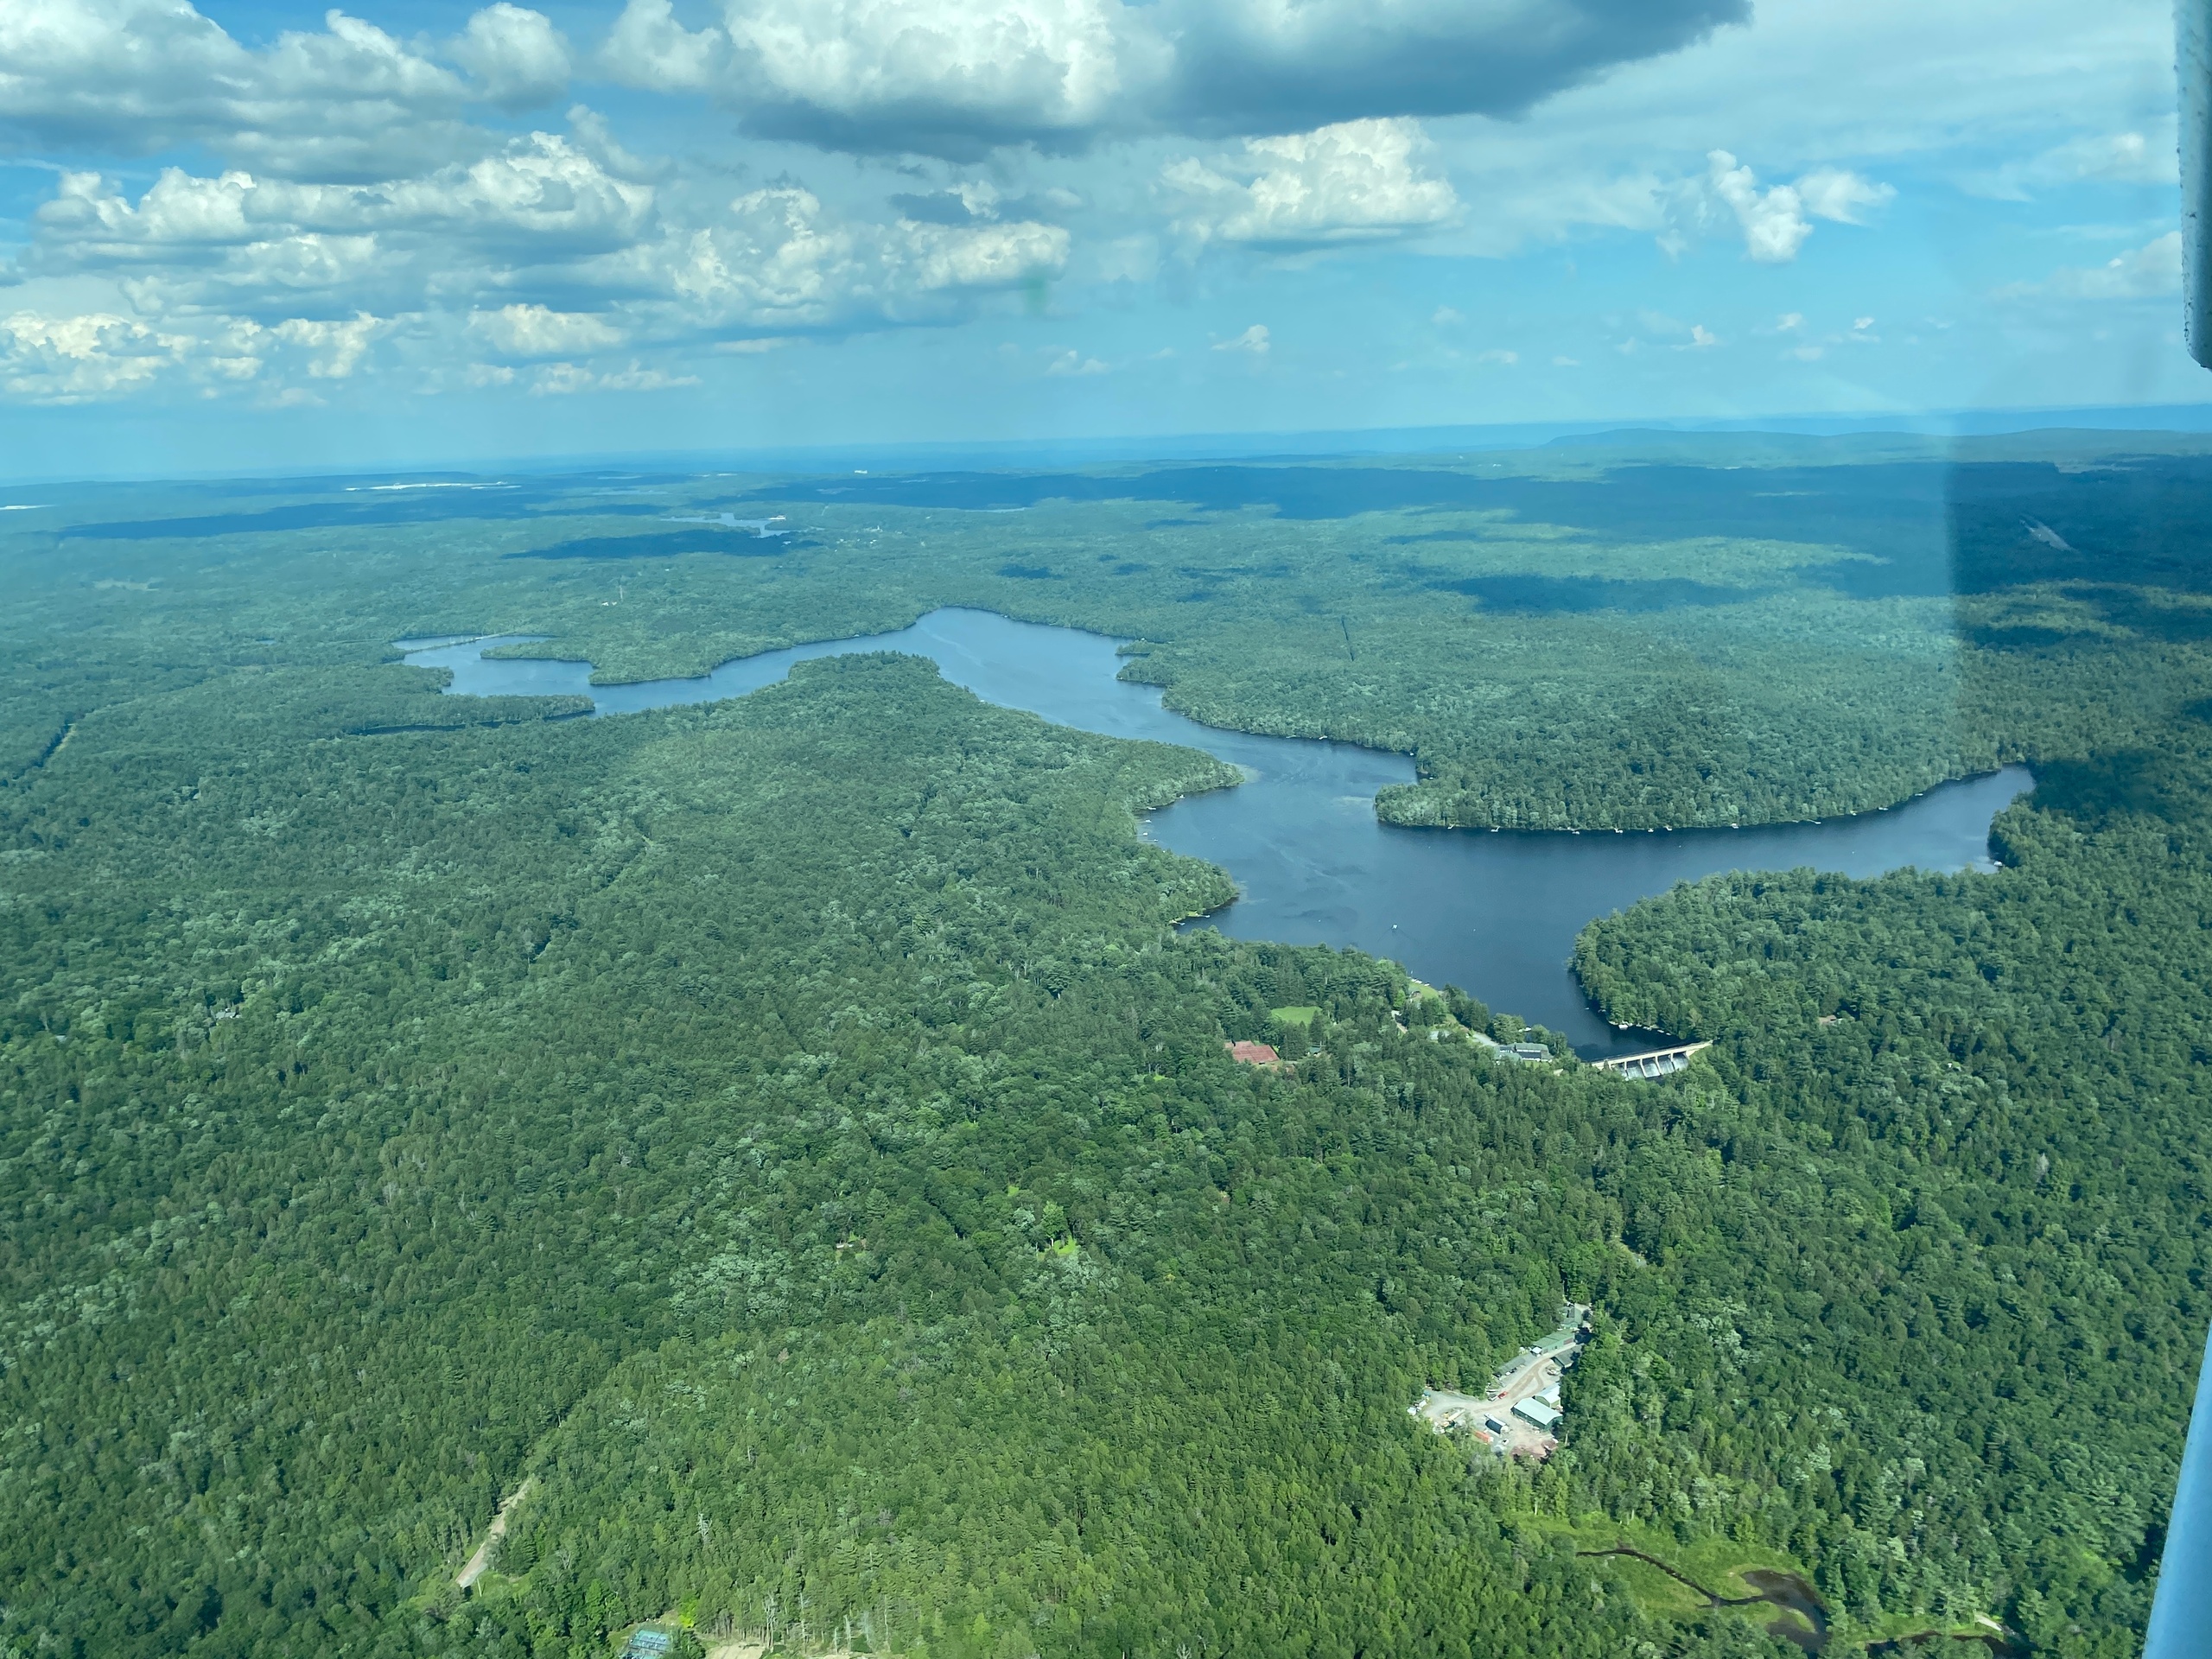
<point>1520,1414</point>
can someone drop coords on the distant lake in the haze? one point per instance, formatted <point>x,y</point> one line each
<point>1494,913</point>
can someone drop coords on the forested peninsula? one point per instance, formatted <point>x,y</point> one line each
<point>787,1141</point>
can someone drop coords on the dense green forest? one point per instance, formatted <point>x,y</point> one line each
<point>1578,636</point>
<point>789,1134</point>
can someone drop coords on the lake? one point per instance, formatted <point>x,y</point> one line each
<point>1495,913</point>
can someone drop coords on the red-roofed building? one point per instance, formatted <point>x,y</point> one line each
<point>1254,1053</point>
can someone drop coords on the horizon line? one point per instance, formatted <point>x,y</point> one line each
<point>1308,443</point>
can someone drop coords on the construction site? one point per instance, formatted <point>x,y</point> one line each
<point>1520,1415</point>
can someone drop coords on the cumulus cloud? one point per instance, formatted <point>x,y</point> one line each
<point>258,244</point>
<point>941,76</point>
<point>1533,191</point>
<point>772,261</point>
<point>591,134</point>
<point>80,359</point>
<point>1357,181</point>
<point>1254,341</point>
<point>959,77</point>
<point>649,49</point>
<point>777,261</point>
<point>521,59</point>
<point>333,350</point>
<point>535,253</point>
<point>2150,272</point>
<point>94,356</point>
<point>133,76</point>
<point>540,331</point>
<point>992,256</point>
<point>1775,221</point>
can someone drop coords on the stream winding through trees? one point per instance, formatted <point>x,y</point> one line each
<point>1495,913</point>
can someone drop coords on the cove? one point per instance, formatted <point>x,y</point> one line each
<point>1495,913</point>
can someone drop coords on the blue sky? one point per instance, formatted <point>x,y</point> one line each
<point>267,235</point>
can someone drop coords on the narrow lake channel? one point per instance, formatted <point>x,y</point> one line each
<point>1494,913</point>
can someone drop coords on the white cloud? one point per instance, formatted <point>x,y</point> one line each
<point>1701,338</point>
<point>1844,196</point>
<point>1549,188</point>
<point>941,256</point>
<point>596,139</point>
<point>537,251</point>
<point>333,349</point>
<point>779,261</point>
<point>1357,182</point>
<point>2150,272</point>
<point>1773,221</point>
<point>94,356</point>
<point>1253,340</point>
<point>649,49</point>
<point>2126,158</point>
<point>934,75</point>
<point>539,330</point>
<point>1876,85</point>
<point>248,243</point>
<point>342,171</point>
<point>566,379</point>
<point>80,359</point>
<point>1804,344</point>
<point>2134,157</point>
<point>1075,363</point>
<point>959,77</point>
<point>1500,356</point>
<point>518,55</point>
<point>132,76</point>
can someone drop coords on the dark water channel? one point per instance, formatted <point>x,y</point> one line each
<point>1495,913</point>
<point>1787,1591</point>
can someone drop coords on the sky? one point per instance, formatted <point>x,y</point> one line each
<point>263,235</point>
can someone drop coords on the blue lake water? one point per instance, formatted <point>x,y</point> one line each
<point>1494,913</point>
